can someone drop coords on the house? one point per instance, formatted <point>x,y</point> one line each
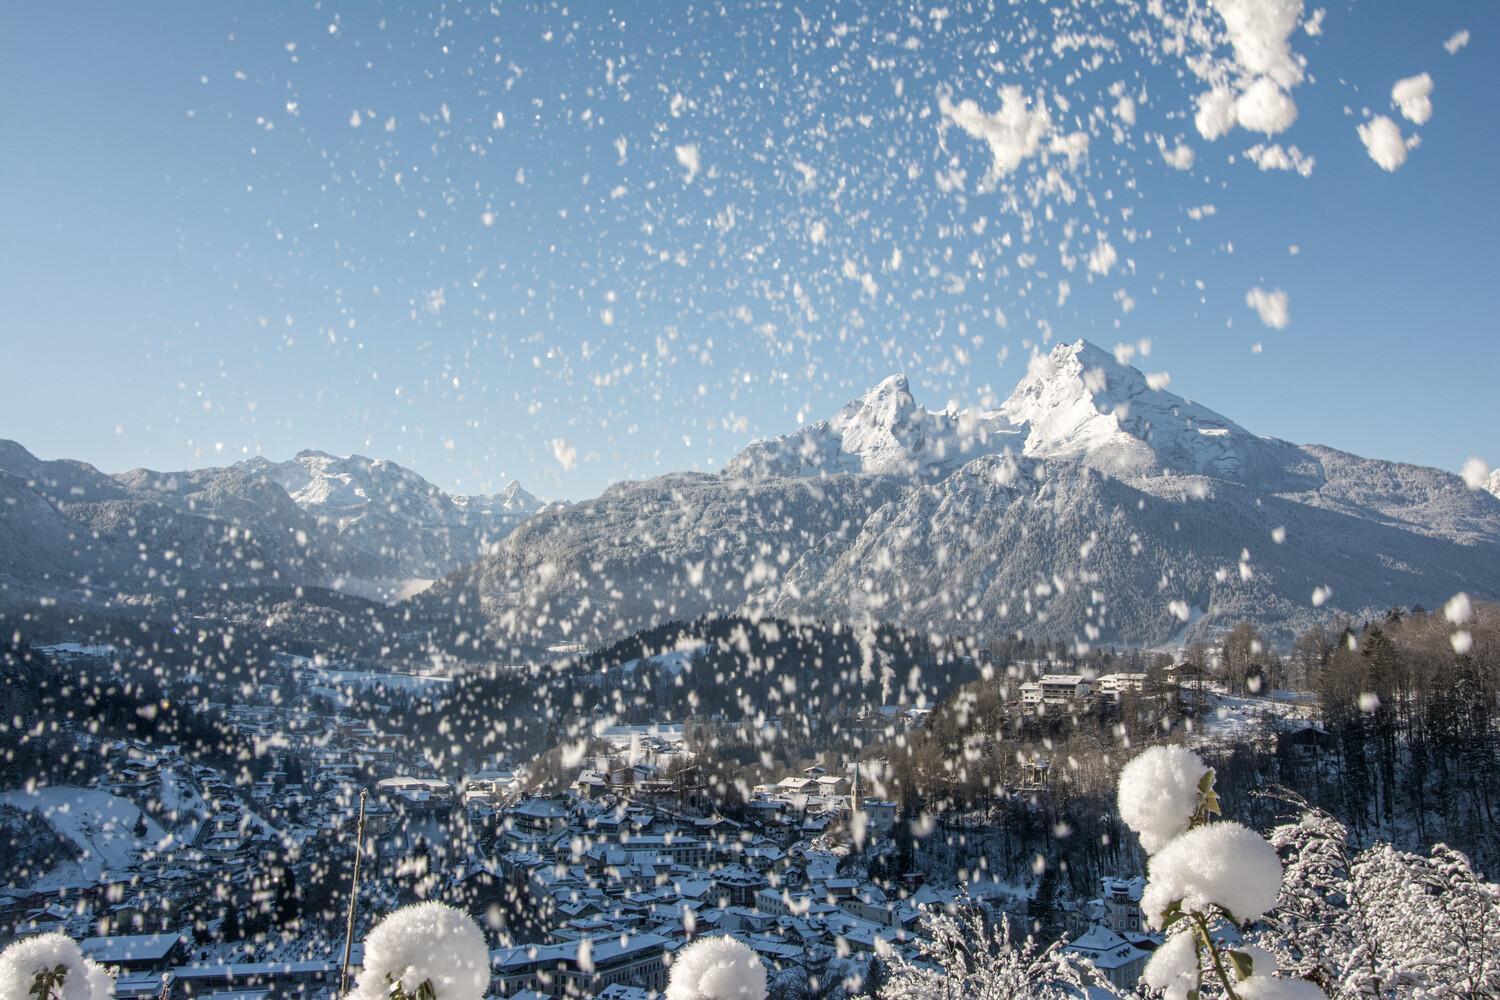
<point>1184,673</point>
<point>1060,689</point>
<point>738,884</point>
<point>1122,904</point>
<point>1114,685</point>
<point>533,821</point>
<point>832,785</point>
<point>880,816</point>
<point>137,952</point>
<point>581,968</point>
<point>1113,957</point>
<point>248,979</point>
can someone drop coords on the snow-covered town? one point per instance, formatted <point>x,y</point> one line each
<point>187,878</point>
<point>749,500</point>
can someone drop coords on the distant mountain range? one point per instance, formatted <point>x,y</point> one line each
<point>371,527</point>
<point>1091,505</point>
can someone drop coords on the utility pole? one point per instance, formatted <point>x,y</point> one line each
<point>359,846</point>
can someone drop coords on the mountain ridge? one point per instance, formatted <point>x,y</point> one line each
<point>1091,505</point>
<point>369,526</point>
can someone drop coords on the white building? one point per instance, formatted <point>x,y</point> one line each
<point>1056,689</point>
<point>1113,685</point>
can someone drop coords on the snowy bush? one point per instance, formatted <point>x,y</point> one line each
<point>967,957</point>
<point>717,968</point>
<point>1201,873</point>
<point>51,967</point>
<point>1222,866</point>
<point>424,952</point>
<point>1161,791</point>
<point>1382,922</point>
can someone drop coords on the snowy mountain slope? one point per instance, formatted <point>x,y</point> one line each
<point>363,525</point>
<point>1089,506</point>
<point>100,826</point>
<point>382,507</point>
<point>1079,402</point>
<point>671,547</point>
<point>883,432</point>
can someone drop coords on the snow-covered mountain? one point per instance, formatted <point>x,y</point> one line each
<point>884,432</point>
<point>1089,505</point>
<point>368,526</point>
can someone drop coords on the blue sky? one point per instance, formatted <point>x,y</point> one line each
<point>203,256</point>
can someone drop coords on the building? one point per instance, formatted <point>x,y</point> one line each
<point>1056,689</point>
<point>1114,958</point>
<point>1114,685</point>
<point>533,821</point>
<point>137,952</point>
<point>249,979</point>
<point>581,968</point>
<point>1122,904</point>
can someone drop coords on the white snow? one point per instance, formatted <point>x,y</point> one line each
<point>425,942</point>
<point>717,968</point>
<point>1265,107</point>
<point>1277,988</point>
<point>23,959</point>
<point>1103,257</point>
<point>1260,31</point>
<point>1383,141</point>
<point>1179,157</point>
<point>687,156</point>
<point>1173,967</point>
<point>1476,473</point>
<point>1215,115</point>
<point>1220,864</point>
<point>1159,793</point>
<point>1277,157</point>
<point>1013,133</point>
<point>101,825</point>
<point>1413,96</point>
<point>1270,306</point>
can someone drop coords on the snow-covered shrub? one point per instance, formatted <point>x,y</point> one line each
<point>717,968</point>
<point>964,957</point>
<point>1382,922</point>
<point>427,951</point>
<point>1161,790</point>
<point>1173,968</point>
<point>51,967</point>
<point>1201,873</point>
<point>1223,866</point>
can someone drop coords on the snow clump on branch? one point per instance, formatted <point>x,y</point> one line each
<point>56,962</point>
<point>1161,791</point>
<point>427,943</point>
<point>717,968</point>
